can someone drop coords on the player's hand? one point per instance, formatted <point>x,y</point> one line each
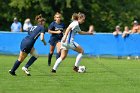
<point>91,29</point>
<point>45,43</point>
<point>58,32</point>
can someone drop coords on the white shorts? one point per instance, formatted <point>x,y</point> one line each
<point>67,46</point>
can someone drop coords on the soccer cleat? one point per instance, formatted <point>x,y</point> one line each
<point>53,71</point>
<point>26,71</point>
<point>12,73</point>
<point>75,69</point>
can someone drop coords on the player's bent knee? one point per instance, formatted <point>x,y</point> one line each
<point>21,59</point>
<point>35,54</point>
<point>51,52</point>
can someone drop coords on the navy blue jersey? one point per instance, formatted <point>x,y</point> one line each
<point>33,34</point>
<point>55,27</point>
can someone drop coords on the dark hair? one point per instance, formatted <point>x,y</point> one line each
<point>39,18</point>
<point>75,16</point>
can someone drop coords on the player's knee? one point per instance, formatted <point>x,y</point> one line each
<point>35,54</point>
<point>21,59</point>
<point>51,52</point>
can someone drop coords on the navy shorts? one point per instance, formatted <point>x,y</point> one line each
<point>54,40</point>
<point>26,45</point>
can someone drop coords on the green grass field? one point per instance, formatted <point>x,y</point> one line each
<point>104,75</point>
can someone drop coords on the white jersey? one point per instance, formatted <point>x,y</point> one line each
<point>70,44</point>
<point>75,28</point>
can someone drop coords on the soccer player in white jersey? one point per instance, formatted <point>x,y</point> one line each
<point>68,42</point>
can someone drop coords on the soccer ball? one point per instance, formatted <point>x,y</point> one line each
<point>82,69</point>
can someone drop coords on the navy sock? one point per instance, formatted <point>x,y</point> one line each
<point>57,55</point>
<point>16,65</point>
<point>49,58</point>
<point>30,62</point>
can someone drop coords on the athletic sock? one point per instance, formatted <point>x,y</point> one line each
<point>78,59</point>
<point>30,62</point>
<point>57,55</point>
<point>16,65</point>
<point>49,58</point>
<point>58,61</point>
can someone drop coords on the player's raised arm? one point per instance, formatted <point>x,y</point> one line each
<point>54,32</point>
<point>90,31</point>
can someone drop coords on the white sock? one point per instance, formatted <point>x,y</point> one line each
<point>78,59</point>
<point>58,61</point>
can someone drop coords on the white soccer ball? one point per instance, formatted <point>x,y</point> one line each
<point>82,69</point>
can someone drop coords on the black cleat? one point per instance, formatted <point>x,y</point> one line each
<point>53,71</point>
<point>12,73</point>
<point>28,74</point>
<point>75,69</point>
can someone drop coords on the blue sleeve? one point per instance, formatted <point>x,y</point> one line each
<point>51,26</point>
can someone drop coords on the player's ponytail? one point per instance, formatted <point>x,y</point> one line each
<point>74,16</point>
<point>81,15</point>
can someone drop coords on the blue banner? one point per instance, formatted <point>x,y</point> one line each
<point>97,44</point>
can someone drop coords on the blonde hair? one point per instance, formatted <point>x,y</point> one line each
<point>57,13</point>
<point>39,18</point>
<point>76,16</point>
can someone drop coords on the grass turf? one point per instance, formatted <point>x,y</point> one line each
<point>104,75</point>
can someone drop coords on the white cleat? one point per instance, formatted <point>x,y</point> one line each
<point>26,71</point>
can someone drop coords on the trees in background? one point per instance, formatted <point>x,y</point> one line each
<point>104,14</point>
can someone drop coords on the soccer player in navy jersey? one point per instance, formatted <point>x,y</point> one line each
<point>27,45</point>
<point>56,29</point>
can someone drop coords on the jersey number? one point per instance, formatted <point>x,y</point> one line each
<point>33,28</point>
